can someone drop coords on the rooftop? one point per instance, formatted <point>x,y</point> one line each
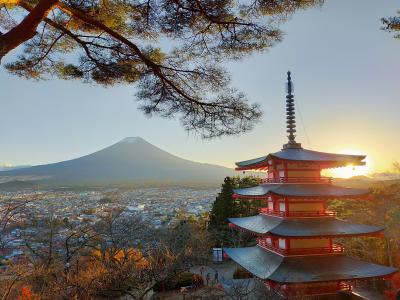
<point>268,265</point>
<point>324,159</point>
<point>300,190</point>
<point>262,224</point>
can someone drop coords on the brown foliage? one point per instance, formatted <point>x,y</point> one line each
<point>101,261</point>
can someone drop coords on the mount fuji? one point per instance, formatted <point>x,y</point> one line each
<point>132,160</point>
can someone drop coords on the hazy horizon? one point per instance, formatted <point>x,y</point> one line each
<point>348,65</point>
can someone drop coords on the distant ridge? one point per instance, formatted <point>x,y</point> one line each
<point>17,185</point>
<point>132,160</point>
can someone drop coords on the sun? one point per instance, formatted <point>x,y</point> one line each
<point>350,171</point>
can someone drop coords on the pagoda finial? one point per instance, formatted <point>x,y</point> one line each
<point>290,115</point>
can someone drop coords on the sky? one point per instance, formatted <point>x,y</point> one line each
<point>346,77</point>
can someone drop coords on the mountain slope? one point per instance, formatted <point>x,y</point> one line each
<point>132,159</point>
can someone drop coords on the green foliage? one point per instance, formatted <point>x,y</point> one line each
<point>392,24</point>
<point>383,210</point>
<point>225,206</point>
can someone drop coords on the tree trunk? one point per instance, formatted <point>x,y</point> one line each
<point>25,30</point>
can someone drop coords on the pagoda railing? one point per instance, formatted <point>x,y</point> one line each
<point>269,211</point>
<point>298,180</point>
<point>287,290</point>
<point>335,249</point>
<point>296,214</point>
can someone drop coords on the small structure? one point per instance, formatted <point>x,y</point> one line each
<point>296,254</point>
<point>217,255</point>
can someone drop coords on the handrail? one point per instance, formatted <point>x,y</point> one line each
<point>335,249</point>
<point>268,211</point>
<point>297,214</point>
<point>298,180</point>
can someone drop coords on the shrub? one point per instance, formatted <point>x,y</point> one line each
<point>241,273</point>
<point>183,279</point>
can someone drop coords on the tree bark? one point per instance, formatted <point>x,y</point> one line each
<point>25,30</point>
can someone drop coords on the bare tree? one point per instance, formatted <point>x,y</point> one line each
<point>119,255</point>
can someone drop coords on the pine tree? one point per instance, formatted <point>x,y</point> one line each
<point>224,205</point>
<point>122,42</point>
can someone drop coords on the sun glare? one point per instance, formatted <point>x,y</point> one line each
<point>350,171</point>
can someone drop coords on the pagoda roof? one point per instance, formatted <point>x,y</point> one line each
<point>300,269</point>
<point>303,155</point>
<point>258,224</point>
<point>307,227</point>
<point>299,190</point>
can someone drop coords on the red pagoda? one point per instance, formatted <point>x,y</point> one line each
<point>295,253</point>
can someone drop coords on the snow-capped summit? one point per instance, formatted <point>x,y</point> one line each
<point>132,139</point>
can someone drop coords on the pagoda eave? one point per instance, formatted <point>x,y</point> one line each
<point>305,269</point>
<point>320,158</point>
<point>295,190</point>
<point>370,234</point>
<point>260,168</point>
<point>266,196</point>
<point>303,228</point>
<point>323,159</point>
<point>326,164</point>
<point>253,163</point>
<point>377,234</point>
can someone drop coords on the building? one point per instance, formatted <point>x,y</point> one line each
<point>295,253</point>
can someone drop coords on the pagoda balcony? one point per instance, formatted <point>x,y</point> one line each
<point>335,249</point>
<point>324,180</point>
<point>297,214</point>
<point>298,290</point>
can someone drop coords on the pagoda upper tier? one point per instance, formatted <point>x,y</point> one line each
<point>321,160</point>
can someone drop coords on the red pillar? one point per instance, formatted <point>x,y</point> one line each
<point>286,207</point>
<point>287,245</point>
<point>285,171</point>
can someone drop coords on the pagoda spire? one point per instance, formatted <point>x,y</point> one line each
<point>290,115</point>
